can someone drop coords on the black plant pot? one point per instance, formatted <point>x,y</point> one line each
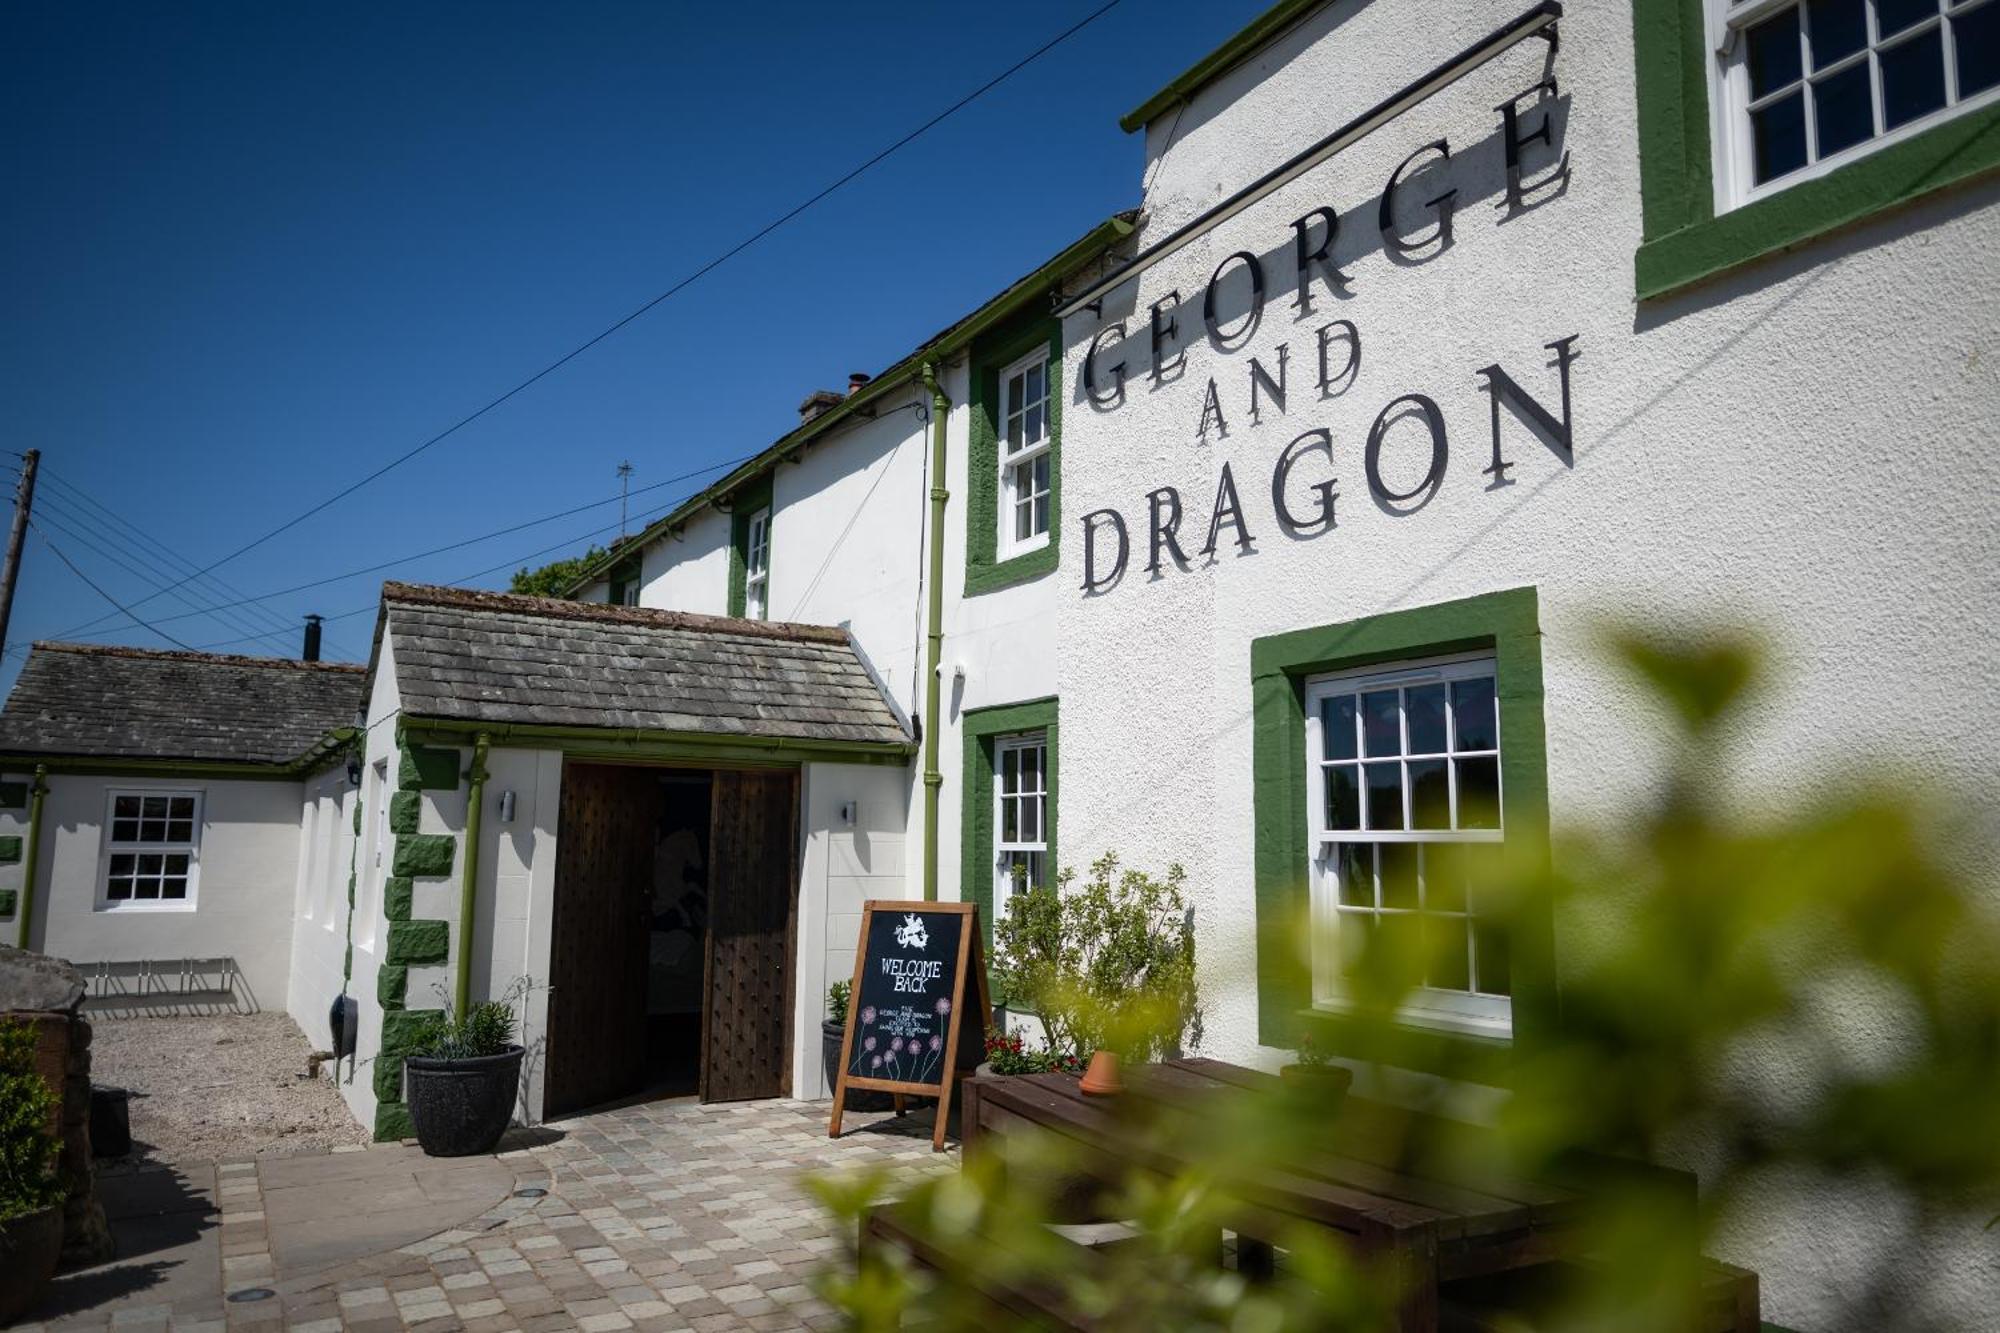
<point>29,1247</point>
<point>858,1099</point>
<point>460,1108</point>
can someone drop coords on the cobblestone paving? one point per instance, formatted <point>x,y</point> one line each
<point>666,1216</point>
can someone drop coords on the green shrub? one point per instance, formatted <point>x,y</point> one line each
<point>1106,964</point>
<point>836,1001</point>
<point>1011,1055</point>
<point>28,1181</point>
<point>488,1029</point>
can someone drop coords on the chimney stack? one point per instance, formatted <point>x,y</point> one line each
<point>857,381</point>
<point>311,653</point>
<point>818,401</point>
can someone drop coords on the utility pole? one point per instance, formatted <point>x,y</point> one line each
<point>24,499</point>
<point>624,493</point>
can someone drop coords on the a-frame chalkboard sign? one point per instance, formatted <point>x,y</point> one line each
<point>906,1015</point>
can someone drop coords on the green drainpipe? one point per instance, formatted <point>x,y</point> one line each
<point>25,914</point>
<point>933,779</point>
<point>468,885</point>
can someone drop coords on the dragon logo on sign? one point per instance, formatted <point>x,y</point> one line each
<point>912,934</point>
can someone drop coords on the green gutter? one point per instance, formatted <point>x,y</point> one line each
<point>934,648</point>
<point>905,372</point>
<point>1219,61</point>
<point>321,753</point>
<point>468,884</point>
<point>26,915</point>
<point>638,743</point>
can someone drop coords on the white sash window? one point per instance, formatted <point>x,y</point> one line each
<point>1025,457</point>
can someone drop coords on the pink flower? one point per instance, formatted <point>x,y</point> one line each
<point>896,1044</point>
<point>875,1063</point>
<point>937,1042</point>
<point>868,1015</point>
<point>868,1044</point>
<point>943,1005</point>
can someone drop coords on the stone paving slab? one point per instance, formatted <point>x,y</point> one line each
<point>671,1215</point>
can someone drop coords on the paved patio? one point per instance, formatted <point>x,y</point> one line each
<point>670,1215</point>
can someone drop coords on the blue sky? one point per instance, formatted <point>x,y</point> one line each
<point>251,252</point>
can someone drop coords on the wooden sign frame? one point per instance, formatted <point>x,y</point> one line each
<point>970,956</point>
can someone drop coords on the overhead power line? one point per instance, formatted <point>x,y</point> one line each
<point>670,292</point>
<point>57,552</point>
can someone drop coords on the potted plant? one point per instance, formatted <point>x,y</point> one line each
<point>31,1227</point>
<point>1315,1074</point>
<point>832,1032</point>
<point>462,1079</point>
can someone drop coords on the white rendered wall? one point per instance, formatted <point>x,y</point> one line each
<point>685,573</point>
<point>248,866</point>
<point>843,866</point>
<point>516,899</point>
<point>1803,447</point>
<point>319,911</point>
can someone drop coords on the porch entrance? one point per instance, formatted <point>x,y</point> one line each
<point>673,946</point>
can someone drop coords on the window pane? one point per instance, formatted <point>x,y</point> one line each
<point>177,864</point>
<point>180,807</point>
<point>1836,28</point>
<point>1843,109</point>
<point>1010,770</point>
<point>1357,931</point>
<point>1774,53</point>
<point>1430,794</point>
<point>1478,792</point>
<point>1040,523</point>
<point>1977,37</point>
<point>119,889</point>
<point>1343,798</point>
<point>1031,429</point>
<point>152,830</point>
<point>1491,944</point>
<point>1010,819</point>
<point>1031,819</point>
<point>1424,706</point>
<point>124,830</point>
<point>1031,768</point>
<point>1399,874</point>
<point>1033,863</point>
<point>149,864</point>
<point>1042,473</point>
<point>1403,938</point>
<point>180,830</point>
<point>1336,726</point>
<point>1892,16</point>
<point>1444,943</point>
<point>1778,137</point>
<point>1444,877</point>
<point>125,807</point>
<point>1476,726</point>
<point>121,864</point>
<point>1381,727</point>
<point>1385,796</point>
<point>1024,520</point>
<point>1353,871</point>
<point>1912,79</point>
<point>173,888</point>
<point>145,888</point>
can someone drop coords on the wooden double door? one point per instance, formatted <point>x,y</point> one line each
<point>607,842</point>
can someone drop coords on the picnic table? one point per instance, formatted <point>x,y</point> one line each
<point>1352,1181</point>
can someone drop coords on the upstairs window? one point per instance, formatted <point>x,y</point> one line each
<point>1403,789</point>
<point>151,849</point>
<point>757,567</point>
<point>1025,457</point>
<point>1020,823</point>
<point>1801,87</point>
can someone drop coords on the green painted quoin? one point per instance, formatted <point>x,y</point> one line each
<point>413,941</point>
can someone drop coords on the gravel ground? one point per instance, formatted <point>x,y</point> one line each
<point>219,1089</point>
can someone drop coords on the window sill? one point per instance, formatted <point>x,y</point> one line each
<point>1012,570</point>
<point>1433,1020</point>
<point>141,909</point>
<point>1958,150</point>
<point>1451,1053</point>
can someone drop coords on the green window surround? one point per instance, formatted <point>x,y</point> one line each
<point>1504,623</point>
<point>1685,241</point>
<point>622,580</point>
<point>985,570</point>
<point>982,728</point>
<point>744,501</point>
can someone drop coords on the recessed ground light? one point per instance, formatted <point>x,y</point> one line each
<point>252,1294</point>
<point>529,1193</point>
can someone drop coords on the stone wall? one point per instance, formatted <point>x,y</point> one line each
<point>47,993</point>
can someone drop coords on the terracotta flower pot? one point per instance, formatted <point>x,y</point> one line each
<point>1101,1078</point>
<point>29,1247</point>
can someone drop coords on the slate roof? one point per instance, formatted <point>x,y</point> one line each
<point>500,658</point>
<point>99,701</point>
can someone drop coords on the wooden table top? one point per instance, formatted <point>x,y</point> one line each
<point>1351,1178</point>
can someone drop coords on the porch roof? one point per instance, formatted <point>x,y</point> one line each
<point>484,657</point>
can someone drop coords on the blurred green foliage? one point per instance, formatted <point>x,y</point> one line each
<point>28,1180</point>
<point>1809,994</point>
